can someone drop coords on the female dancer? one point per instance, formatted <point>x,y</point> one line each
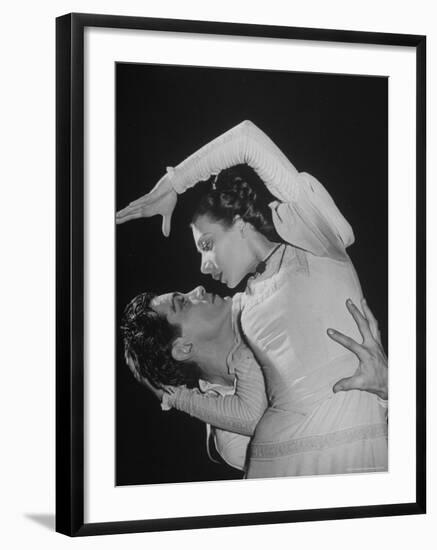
<point>296,249</point>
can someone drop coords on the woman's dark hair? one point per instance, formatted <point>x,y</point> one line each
<point>148,339</point>
<point>239,191</point>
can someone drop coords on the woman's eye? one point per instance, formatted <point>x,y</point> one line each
<point>205,246</point>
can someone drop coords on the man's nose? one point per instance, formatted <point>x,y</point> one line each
<point>198,293</point>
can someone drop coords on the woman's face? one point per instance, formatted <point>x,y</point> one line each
<point>226,252</point>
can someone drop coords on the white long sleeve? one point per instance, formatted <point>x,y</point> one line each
<point>245,143</point>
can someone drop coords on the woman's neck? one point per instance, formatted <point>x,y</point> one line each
<point>261,247</point>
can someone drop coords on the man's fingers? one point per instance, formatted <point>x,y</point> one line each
<point>346,384</point>
<point>361,321</point>
<point>345,341</point>
<point>373,323</point>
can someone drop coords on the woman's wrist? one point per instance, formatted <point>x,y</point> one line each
<point>173,180</point>
<point>166,402</point>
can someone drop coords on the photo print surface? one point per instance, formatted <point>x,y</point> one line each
<point>253,275</point>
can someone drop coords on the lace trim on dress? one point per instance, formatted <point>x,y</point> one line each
<point>260,288</point>
<point>318,442</point>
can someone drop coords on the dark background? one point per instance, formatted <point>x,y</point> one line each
<point>333,126</point>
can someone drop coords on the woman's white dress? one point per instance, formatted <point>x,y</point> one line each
<point>307,429</point>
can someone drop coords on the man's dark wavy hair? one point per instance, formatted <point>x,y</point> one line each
<point>148,338</point>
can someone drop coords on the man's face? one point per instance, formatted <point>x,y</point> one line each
<point>200,315</point>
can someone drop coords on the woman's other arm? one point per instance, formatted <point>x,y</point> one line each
<point>238,413</point>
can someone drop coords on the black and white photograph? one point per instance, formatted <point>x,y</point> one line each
<point>217,259</point>
<point>251,274</point>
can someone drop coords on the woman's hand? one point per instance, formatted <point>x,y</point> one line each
<point>372,373</point>
<point>160,200</point>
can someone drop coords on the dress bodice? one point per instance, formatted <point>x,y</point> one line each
<point>286,312</point>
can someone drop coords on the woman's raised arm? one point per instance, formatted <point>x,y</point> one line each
<point>245,143</point>
<point>237,413</point>
<point>304,215</point>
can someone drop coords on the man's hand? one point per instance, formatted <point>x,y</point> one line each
<point>372,373</point>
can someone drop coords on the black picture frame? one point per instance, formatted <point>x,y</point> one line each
<point>70,487</point>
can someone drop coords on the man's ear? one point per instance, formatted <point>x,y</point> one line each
<point>182,350</point>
